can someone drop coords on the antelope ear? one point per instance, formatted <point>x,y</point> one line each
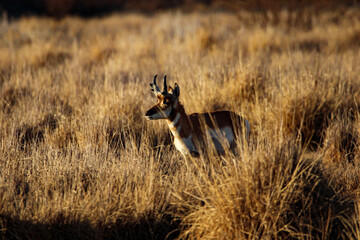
<point>176,91</point>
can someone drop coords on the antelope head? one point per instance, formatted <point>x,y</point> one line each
<point>166,101</point>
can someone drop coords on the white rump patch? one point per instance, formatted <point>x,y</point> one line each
<point>225,132</point>
<point>218,136</point>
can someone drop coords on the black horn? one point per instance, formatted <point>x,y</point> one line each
<point>153,85</point>
<point>155,79</point>
<point>165,87</point>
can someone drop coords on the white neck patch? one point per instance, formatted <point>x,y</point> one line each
<point>185,145</point>
<point>175,121</point>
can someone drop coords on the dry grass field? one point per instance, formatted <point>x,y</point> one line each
<point>79,161</point>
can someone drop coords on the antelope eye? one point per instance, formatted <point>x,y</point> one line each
<point>166,102</point>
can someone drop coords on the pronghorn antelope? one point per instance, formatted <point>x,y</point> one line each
<point>192,133</point>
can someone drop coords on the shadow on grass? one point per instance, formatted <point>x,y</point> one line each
<point>64,228</point>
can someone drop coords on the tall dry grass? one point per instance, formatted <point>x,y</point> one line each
<point>78,160</point>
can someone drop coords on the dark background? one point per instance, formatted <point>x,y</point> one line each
<point>88,8</point>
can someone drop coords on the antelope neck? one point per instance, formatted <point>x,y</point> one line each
<point>178,122</point>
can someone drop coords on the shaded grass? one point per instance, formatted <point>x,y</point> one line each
<point>280,195</point>
<point>63,228</point>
